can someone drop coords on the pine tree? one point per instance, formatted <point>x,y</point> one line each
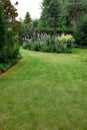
<point>27,19</point>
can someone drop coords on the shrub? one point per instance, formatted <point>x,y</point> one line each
<point>66,38</point>
<point>51,43</point>
<point>66,43</point>
<point>44,48</point>
<point>10,49</point>
<point>26,45</point>
<point>8,64</point>
<point>15,52</point>
<point>81,32</point>
<point>35,46</point>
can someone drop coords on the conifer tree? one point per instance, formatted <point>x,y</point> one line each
<point>27,19</point>
<point>50,14</point>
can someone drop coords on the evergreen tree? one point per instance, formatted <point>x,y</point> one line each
<point>50,14</point>
<point>27,19</point>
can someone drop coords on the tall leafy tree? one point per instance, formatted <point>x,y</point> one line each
<point>64,18</point>
<point>76,9</point>
<point>50,14</point>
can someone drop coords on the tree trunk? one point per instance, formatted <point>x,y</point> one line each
<point>54,30</point>
<point>74,22</point>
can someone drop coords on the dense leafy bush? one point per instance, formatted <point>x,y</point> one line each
<point>81,33</point>
<point>9,54</point>
<point>6,65</point>
<point>66,42</point>
<point>10,49</point>
<point>51,43</point>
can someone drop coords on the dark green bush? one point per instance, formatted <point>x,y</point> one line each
<point>6,65</point>
<point>26,45</point>
<point>34,47</point>
<point>15,53</point>
<point>10,49</point>
<point>81,33</point>
<point>45,48</point>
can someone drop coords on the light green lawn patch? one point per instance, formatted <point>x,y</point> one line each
<point>45,91</point>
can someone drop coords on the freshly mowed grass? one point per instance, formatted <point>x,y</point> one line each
<point>45,91</point>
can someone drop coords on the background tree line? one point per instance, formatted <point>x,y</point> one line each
<point>57,17</point>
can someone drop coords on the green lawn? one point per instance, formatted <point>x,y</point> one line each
<point>45,91</point>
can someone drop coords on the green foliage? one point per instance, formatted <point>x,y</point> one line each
<point>9,54</point>
<point>11,49</point>
<point>10,13</point>
<point>50,14</point>
<point>27,19</point>
<point>50,43</point>
<point>25,32</point>
<point>81,32</point>
<point>66,43</point>
<point>26,45</point>
<point>76,9</point>
<point>2,28</point>
<point>8,64</point>
<point>35,23</point>
<point>28,29</point>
